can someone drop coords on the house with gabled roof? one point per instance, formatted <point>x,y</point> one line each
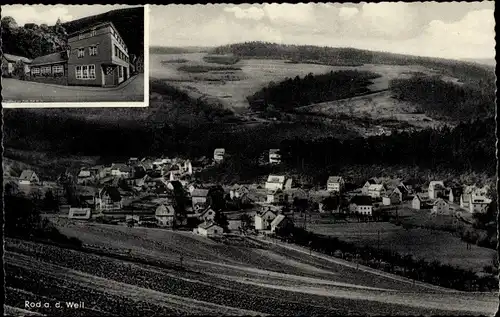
<point>199,196</point>
<point>121,170</point>
<point>28,177</point>
<point>362,205</point>
<point>436,189</point>
<point>209,229</point>
<point>109,198</point>
<point>165,215</point>
<point>207,214</point>
<point>368,183</point>
<point>281,222</point>
<point>440,207</point>
<point>376,190</point>
<point>9,62</point>
<point>263,219</point>
<point>335,184</point>
<point>421,201</point>
<point>275,182</point>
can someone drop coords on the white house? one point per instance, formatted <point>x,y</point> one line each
<point>121,170</point>
<point>28,177</point>
<point>274,156</point>
<point>376,190</point>
<point>368,183</point>
<point>436,189</point>
<point>199,196</point>
<point>275,182</point>
<point>165,215</point>
<point>210,229</point>
<point>109,198</point>
<point>207,214</point>
<point>335,184</point>
<point>219,155</point>
<point>263,220</point>
<point>420,202</point>
<point>479,204</point>
<point>362,205</point>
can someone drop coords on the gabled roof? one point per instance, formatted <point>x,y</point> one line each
<point>439,200</point>
<point>274,151</point>
<point>361,200</point>
<point>220,151</point>
<point>264,212</point>
<point>335,179</point>
<point>94,26</point>
<point>206,210</point>
<point>14,58</point>
<point>27,175</point>
<point>401,189</point>
<point>277,220</point>
<point>421,197</point>
<point>53,58</point>
<point>199,192</point>
<point>122,167</point>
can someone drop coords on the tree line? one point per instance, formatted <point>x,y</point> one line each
<point>298,92</point>
<point>468,72</point>
<point>441,99</point>
<point>405,265</point>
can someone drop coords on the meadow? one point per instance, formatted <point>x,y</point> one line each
<point>421,243</point>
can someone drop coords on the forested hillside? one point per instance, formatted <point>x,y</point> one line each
<point>176,50</point>
<point>445,100</point>
<point>297,92</point>
<point>468,72</point>
<point>32,40</point>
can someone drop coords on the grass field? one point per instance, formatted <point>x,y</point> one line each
<point>140,273</point>
<point>421,243</point>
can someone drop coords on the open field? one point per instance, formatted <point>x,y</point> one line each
<point>422,243</point>
<point>234,86</point>
<point>216,278</point>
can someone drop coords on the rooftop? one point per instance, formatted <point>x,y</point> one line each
<point>53,58</point>
<point>15,58</point>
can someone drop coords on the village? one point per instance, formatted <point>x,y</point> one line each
<point>164,193</point>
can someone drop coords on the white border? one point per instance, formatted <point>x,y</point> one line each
<point>112,104</point>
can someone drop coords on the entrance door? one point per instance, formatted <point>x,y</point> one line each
<point>110,75</point>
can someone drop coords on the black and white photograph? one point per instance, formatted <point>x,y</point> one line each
<point>73,54</point>
<point>317,159</point>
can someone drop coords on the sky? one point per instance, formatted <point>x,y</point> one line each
<point>49,14</point>
<point>449,30</point>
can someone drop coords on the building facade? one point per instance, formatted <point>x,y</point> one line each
<point>97,56</point>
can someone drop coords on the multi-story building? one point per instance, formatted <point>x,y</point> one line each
<point>98,56</point>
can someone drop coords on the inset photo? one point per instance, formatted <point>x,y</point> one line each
<point>73,55</point>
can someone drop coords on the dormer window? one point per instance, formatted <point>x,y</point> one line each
<point>92,33</point>
<point>81,36</point>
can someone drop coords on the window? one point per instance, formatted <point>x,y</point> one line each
<point>92,33</point>
<point>35,70</point>
<point>91,71</point>
<point>85,72</point>
<point>93,50</point>
<point>116,51</point>
<point>120,71</point>
<point>81,36</point>
<point>46,70</point>
<point>81,52</point>
<point>56,69</point>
